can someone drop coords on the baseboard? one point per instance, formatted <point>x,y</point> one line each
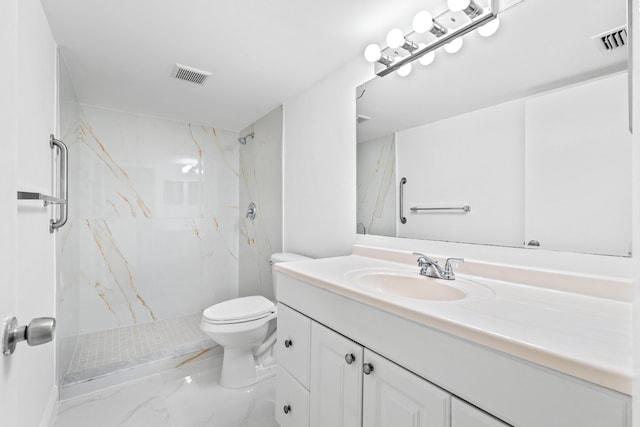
<point>51,410</point>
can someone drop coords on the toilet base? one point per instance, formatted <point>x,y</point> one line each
<point>238,368</point>
<point>239,371</point>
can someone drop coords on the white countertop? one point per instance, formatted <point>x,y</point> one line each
<point>584,336</point>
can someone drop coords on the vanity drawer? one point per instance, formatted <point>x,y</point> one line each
<point>292,401</point>
<point>293,344</point>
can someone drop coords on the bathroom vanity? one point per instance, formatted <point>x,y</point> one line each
<point>508,352</point>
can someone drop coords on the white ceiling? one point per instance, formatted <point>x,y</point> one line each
<point>260,52</point>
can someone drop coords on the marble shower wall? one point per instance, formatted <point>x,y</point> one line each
<point>260,183</point>
<point>153,218</point>
<point>67,270</point>
<point>376,209</point>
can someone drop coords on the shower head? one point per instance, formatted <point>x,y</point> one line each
<point>243,139</point>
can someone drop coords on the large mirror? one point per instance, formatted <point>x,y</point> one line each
<point>521,139</point>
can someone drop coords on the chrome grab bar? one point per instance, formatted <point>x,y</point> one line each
<point>63,183</point>
<point>465,208</point>
<point>403,181</point>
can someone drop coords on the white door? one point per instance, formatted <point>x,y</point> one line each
<point>335,382</point>
<point>396,397</point>
<point>8,303</point>
<point>27,280</point>
<point>8,119</point>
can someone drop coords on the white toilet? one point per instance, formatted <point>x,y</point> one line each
<point>240,326</point>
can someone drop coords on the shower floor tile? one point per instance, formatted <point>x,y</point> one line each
<point>105,352</point>
<point>189,396</point>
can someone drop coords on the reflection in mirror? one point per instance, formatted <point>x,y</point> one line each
<point>529,128</point>
<point>375,180</point>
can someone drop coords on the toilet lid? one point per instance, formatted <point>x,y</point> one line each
<point>240,309</point>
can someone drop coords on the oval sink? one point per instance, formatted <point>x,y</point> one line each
<point>419,287</point>
<point>412,285</point>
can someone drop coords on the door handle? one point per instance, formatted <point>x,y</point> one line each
<point>39,331</point>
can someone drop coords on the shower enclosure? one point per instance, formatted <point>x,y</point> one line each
<point>153,235</point>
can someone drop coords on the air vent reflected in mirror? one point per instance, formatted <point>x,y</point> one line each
<point>611,40</point>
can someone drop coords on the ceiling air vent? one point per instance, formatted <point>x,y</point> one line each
<point>190,74</point>
<point>611,40</point>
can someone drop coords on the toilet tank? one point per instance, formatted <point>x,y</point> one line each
<point>283,257</point>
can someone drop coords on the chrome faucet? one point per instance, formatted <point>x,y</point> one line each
<point>430,267</point>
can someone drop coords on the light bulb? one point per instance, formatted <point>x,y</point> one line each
<point>489,28</point>
<point>458,5</point>
<point>395,38</point>
<point>422,22</point>
<point>427,58</point>
<point>453,46</point>
<point>405,70</point>
<point>372,52</point>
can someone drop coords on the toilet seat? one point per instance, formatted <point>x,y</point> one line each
<point>239,310</point>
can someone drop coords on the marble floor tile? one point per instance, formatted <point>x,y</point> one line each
<point>189,396</point>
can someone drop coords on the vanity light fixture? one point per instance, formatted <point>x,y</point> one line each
<point>396,38</point>
<point>430,33</point>
<point>490,28</point>
<point>372,53</point>
<point>423,22</point>
<point>405,70</point>
<point>453,46</point>
<point>467,6</point>
<point>427,58</point>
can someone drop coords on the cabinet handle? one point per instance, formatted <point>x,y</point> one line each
<point>288,343</point>
<point>287,409</point>
<point>367,368</point>
<point>349,358</point>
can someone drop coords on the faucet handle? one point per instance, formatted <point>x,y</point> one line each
<point>424,259</point>
<point>448,267</point>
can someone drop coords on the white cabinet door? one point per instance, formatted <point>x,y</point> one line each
<point>335,379</point>
<point>396,397</point>
<point>292,401</point>
<point>292,345</point>
<point>465,415</point>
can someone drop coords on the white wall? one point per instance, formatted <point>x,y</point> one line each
<point>260,183</point>
<point>319,164</point>
<point>27,392</point>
